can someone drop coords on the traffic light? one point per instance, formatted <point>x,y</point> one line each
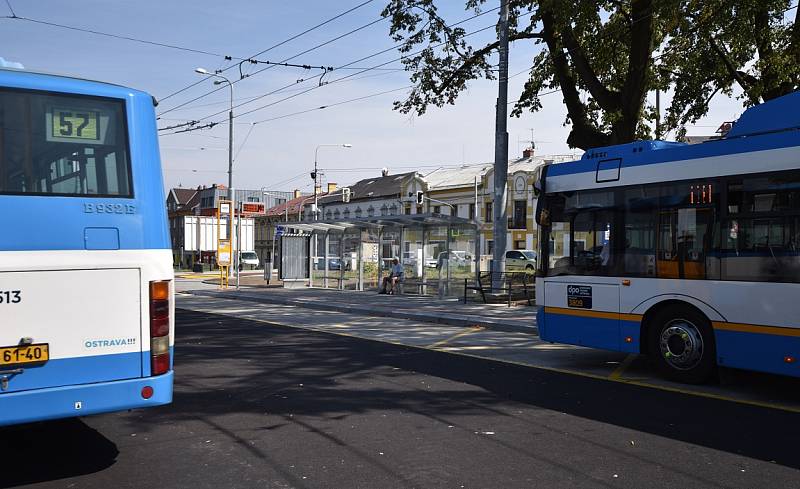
<point>346,194</point>
<point>420,197</point>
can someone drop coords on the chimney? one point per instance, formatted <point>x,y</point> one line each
<point>527,153</point>
<point>385,172</point>
<point>296,194</point>
<point>331,187</point>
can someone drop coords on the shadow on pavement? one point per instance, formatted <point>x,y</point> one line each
<point>228,366</point>
<point>52,450</point>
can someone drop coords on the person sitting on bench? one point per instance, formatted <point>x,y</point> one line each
<point>395,275</point>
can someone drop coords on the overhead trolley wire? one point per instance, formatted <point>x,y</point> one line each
<point>346,77</point>
<point>292,38</point>
<point>353,31</point>
<point>121,37</point>
<point>272,65</point>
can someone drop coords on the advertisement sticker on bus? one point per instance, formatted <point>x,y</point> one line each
<point>579,296</point>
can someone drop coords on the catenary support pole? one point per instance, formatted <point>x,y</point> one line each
<point>501,153</point>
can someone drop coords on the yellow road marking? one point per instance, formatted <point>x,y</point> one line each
<point>470,330</point>
<point>577,373</point>
<point>617,373</point>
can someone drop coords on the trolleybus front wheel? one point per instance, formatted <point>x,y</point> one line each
<point>681,345</point>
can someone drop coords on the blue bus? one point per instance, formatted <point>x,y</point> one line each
<point>689,254</point>
<point>86,280</point>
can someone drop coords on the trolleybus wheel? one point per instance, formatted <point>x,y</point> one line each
<point>681,344</point>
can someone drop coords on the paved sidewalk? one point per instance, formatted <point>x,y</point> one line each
<point>451,312</point>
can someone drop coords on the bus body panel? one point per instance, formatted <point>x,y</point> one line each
<point>756,325</point>
<point>83,400</point>
<point>83,262</point>
<point>71,311</point>
<point>578,176</point>
<point>61,222</point>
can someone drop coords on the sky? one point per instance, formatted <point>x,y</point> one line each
<point>279,154</point>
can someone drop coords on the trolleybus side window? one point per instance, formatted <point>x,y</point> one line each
<point>68,145</point>
<point>759,237</point>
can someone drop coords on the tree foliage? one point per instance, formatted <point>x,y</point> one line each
<point>604,56</point>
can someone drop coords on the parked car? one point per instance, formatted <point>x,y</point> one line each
<point>248,258</point>
<point>521,261</point>
<point>456,258</point>
<point>333,264</point>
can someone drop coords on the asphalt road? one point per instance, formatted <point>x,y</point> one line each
<point>260,405</point>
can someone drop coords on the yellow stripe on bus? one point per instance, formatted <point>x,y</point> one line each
<point>755,328</point>
<point>724,326</point>
<point>594,314</point>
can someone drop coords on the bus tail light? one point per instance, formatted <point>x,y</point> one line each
<point>159,327</point>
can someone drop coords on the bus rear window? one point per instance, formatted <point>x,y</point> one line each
<point>67,145</point>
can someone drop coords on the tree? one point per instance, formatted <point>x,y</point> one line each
<point>718,46</point>
<point>614,52</point>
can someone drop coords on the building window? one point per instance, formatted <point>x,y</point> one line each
<point>384,210</point>
<point>437,209</point>
<point>370,211</point>
<point>358,212</point>
<point>489,247</point>
<point>393,210</point>
<point>337,214</point>
<point>419,209</point>
<point>471,211</point>
<point>489,217</point>
<point>520,214</point>
<point>407,210</point>
<point>519,244</point>
<point>346,213</point>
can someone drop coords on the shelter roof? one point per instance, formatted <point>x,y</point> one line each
<point>407,220</point>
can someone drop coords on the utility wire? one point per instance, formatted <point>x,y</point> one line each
<point>252,126</point>
<point>343,102</point>
<point>341,79</point>
<point>13,14</point>
<point>346,65</point>
<point>272,65</point>
<point>276,45</point>
<point>117,36</point>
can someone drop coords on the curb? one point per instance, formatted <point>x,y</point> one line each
<point>445,319</point>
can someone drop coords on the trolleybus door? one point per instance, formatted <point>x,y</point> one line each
<point>683,243</point>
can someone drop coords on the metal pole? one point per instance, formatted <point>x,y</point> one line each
<point>325,257</point>
<point>658,114</point>
<point>424,287</point>
<point>360,258</point>
<point>238,242</point>
<point>475,210</point>
<point>316,198</point>
<point>501,152</point>
<point>341,260</point>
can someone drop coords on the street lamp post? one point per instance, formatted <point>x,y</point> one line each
<point>315,173</point>
<point>231,197</point>
<point>205,72</point>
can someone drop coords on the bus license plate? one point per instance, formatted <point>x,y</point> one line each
<point>24,354</point>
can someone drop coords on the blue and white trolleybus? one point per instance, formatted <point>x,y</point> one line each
<point>86,309</point>
<point>687,253</point>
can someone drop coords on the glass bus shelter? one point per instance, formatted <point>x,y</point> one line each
<point>437,252</point>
